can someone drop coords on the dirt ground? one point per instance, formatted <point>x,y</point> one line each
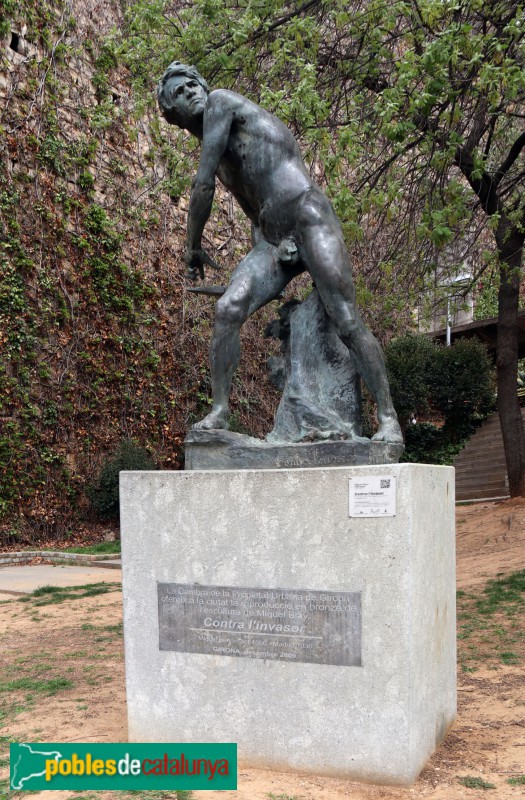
<point>80,641</point>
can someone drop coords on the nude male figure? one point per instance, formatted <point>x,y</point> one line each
<point>257,158</point>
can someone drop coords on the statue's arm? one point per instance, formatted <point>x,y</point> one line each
<point>217,123</point>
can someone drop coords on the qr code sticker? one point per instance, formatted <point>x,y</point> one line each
<point>385,483</point>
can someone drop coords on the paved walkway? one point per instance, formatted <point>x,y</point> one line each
<point>18,580</point>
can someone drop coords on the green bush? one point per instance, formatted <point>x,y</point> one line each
<point>420,442</point>
<point>427,444</point>
<point>462,386</point>
<point>104,493</point>
<point>455,383</point>
<point>409,362</point>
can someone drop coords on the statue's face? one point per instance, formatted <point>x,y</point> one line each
<point>188,100</point>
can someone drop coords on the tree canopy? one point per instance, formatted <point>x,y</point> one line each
<point>410,113</point>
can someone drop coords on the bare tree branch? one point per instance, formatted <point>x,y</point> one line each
<point>374,177</point>
<point>514,152</point>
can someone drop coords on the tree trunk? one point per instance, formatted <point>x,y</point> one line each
<point>510,247</point>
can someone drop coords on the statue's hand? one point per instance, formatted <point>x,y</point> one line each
<point>195,261</point>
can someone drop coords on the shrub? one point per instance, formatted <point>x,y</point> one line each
<point>427,444</point>
<point>462,386</point>
<point>104,493</point>
<point>455,383</point>
<point>409,362</point>
<point>420,442</point>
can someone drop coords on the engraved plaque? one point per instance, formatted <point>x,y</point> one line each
<point>318,627</point>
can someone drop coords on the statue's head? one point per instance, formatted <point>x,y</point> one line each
<point>182,93</point>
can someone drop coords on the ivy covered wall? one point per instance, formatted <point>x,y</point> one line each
<point>99,341</point>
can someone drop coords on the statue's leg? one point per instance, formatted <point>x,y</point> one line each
<point>258,279</point>
<point>324,253</point>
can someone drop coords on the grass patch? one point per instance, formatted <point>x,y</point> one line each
<point>519,780</point>
<point>273,796</point>
<point>85,796</point>
<point>489,623</point>
<point>179,794</point>
<point>5,793</point>
<point>507,594</point>
<point>59,675</point>
<point>53,595</point>
<point>118,628</point>
<point>509,658</point>
<point>47,688</point>
<point>472,782</point>
<point>45,590</point>
<point>96,549</point>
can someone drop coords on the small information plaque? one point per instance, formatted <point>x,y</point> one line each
<point>374,496</point>
<point>318,627</point>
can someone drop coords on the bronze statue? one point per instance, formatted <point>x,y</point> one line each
<point>294,228</point>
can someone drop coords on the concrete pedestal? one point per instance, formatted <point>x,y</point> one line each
<point>377,693</point>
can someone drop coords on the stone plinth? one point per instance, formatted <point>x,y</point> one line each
<point>358,681</point>
<point>218,449</point>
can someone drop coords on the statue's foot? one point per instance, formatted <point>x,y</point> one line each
<point>353,436</point>
<point>389,432</point>
<point>215,420</point>
<point>344,433</point>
